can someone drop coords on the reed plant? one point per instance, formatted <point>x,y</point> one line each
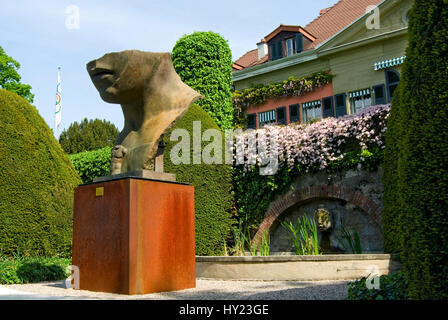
<point>243,242</point>
<point>303,235</point>
<point>349,239</point>
<point>265,244</point>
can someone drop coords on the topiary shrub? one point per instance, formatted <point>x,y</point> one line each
<point>212,183</point>
<point>203,60</point>
<point>36,183</point>
<point>416,169</point>
<point>392,235</point>
<point>392,287</point>
<point>92,164</point>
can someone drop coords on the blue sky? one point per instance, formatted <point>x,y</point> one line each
<point>35,34</point>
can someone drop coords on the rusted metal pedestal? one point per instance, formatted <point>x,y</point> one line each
<point>134,236</point>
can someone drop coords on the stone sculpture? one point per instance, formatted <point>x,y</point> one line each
<point>152,97</point>
<point>325,225</point>
<point>118,153</point>
<point>323,219</point>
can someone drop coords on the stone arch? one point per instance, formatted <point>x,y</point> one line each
<point>373,210</point>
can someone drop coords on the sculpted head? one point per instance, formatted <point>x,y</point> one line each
<point>120,77</point>
<point>151,94</point>
<point>323,219</point>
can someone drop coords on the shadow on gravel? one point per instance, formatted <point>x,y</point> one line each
<point>228,290</point>
<point>303,291</point>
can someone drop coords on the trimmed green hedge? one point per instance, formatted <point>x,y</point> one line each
<point>213,187</point>
<point>92,164</point>
<point>203,60</point>
<point>18,270</point>
<point>36,183</point>
<point>416,168</point>
<point>392,235</point>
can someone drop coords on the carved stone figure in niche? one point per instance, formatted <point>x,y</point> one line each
<point>152,97</point>
<point>325,225</point>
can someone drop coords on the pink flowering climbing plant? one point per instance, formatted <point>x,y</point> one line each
<point>315,145</point>
<point>331,144</point>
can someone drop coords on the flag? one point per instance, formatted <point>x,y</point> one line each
<point>58,111</point>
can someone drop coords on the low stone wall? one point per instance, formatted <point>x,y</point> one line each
<point>293,267</point>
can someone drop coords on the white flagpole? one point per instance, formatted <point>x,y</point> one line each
<point>58,110</point>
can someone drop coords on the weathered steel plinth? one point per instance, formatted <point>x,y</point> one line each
<point>134,236</point>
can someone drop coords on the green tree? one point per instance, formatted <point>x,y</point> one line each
<point>10,78</point>
<point>203,60</point>
<point>416,158</point>
<point>88,135</point>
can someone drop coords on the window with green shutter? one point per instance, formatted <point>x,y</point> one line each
<point>281,115</point>
<point>380,94</point>
<point>276,50</point>
<point>252,121</point>
<point>339,105</point>
<point>328,110</point>
<point>294,113</point>
<point>299,43</point>
<point>272,50</point>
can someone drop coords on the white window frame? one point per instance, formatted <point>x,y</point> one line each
<point>289,47</point>
<point>266,118</point>
<point>360,99</point>
<point>313,112</point>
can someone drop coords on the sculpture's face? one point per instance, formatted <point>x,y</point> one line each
<point>119,76</point>
<point>323,219</point>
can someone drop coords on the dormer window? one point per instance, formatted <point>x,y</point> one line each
<point>286,41</point>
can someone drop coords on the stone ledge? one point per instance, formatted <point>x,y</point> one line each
<point>295,268</point>
<point>286,258</point>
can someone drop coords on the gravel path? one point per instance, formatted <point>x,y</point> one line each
<point>205,290</point>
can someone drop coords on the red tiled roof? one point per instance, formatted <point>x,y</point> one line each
<point>324,10</point>
<point>335,18</point>
<point>330,21</point>
<point>249,59</point>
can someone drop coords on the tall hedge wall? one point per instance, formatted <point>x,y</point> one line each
<point>416,168</point>
<point>212,183</point>
<point>203,60</point>
<point>36,183</point>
